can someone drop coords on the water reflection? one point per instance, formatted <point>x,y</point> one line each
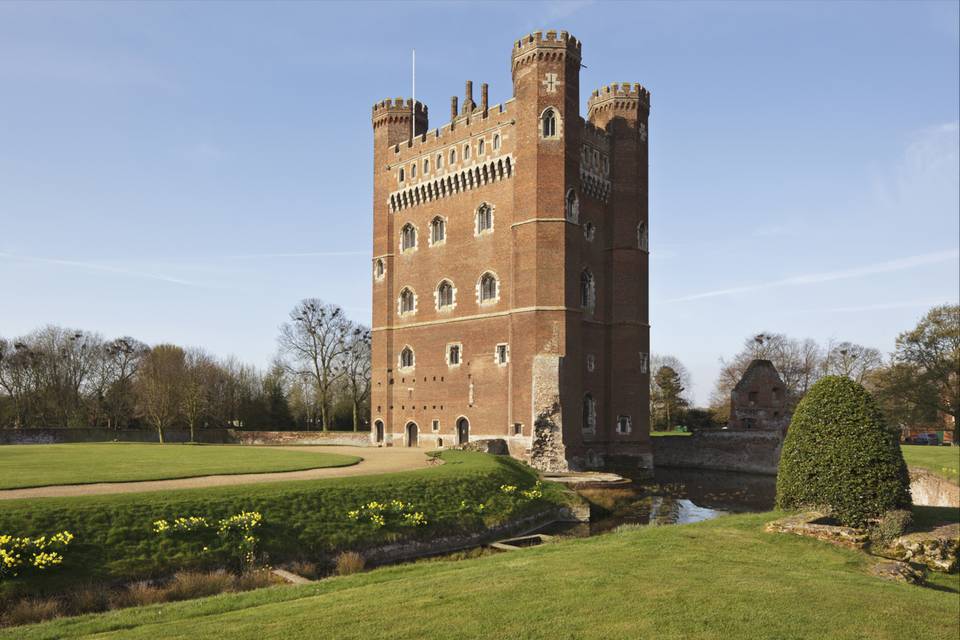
<point>674,496</point>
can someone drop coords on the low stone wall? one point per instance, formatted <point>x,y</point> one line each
<point>931,490</point>
<point>206,436</point>
<point>746,451</point>
<point>351,438</point>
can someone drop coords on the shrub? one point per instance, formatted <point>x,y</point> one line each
<point>138,594</point>
<point>839,456</point>
<point>32,610</point>
<point>187,585</point>
<point>349,562</point>
<point>255,579</point>
<point>891,526</point>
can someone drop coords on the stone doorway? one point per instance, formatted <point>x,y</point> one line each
<point>378,429</point>
<point>463,431</point>
<point>413,435</point>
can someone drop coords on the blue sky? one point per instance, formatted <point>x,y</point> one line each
<point>188,172</point>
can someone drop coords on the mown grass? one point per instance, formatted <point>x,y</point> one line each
<point>302,520</point>
<point>670,433</point>
<point>40,465</point>
<point>942,461</point>
<point>719,579</point>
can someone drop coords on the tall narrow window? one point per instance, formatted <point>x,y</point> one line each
<point>438,230</point>
<point>408,237</point>
<point>406,358</point>
<point>488,288</point>
<point>644,363</point>
<point>445,295</point>
<point>378,269</point>
<point>589,413</point>
<point>643,240</point>
<point>401,174</point>
<point>502,354</point>
<point>480,148</point>
<point>484,218</point>
<point>496,142</point>
<point>408,301</point>
<point>453,355</point>
<point>413,170</point>
<point>624,424</point>
<point>453,156</point>
<point>439,161</point>
<point>549,123</point>
<point>587,291</point>
<point>466,151</point>
<point>572,206</point>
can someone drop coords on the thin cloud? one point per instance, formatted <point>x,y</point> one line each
<point>876,307</point>
<point>830,276</point>
<point>91,266</point>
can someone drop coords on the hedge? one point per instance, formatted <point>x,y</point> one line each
<point>840,456</point>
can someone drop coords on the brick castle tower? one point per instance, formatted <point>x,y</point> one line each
<point>510,268</point>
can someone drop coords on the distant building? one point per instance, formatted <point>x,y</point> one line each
<point>759,401</point>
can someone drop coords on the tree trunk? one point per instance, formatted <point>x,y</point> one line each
<point>160,432</point>
<point>355,415</point>
<point>193,437</point>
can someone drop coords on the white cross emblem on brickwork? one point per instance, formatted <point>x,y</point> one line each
<point>643,132</point>
<point>551,82</point>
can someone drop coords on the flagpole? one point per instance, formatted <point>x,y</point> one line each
<point>413,114</point>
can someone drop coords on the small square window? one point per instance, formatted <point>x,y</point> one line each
<point>624,424</point>
<point>517,429</point>
<point>435,425</point>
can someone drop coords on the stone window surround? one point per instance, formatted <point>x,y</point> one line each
<point>436,297</point>
<point>629,424</point>
<point>496,298</point>
<point>558,124</point>
<point>591,362</point>
<point>400,311</point>
<point>589,231</point>
<point>416,237</point>
<point>435,425</point>
<point>452,181</point>
<point>590,304</point>
<point>430,240</point>
<point>413,359</point>
<point>571,205</point>
<point>379,269</point>
<point>644,362</point>
<point>506,354</point>
<point>643,236</point>
<point>589,422</point>
<point>446,354</point>
<point>476,219</point>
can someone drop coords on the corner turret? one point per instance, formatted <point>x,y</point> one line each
<point>627,100</point>
<point>392,121</point>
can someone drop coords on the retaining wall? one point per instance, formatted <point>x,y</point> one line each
<point>206,436</point>
<point>931,490</point>
<point>746,451</point>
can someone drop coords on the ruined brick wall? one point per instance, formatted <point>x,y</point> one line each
<point>746,451</point>
<point>759,400</point>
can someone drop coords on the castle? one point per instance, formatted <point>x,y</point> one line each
<point>510,268</point>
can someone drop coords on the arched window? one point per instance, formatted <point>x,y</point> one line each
<point>453,156</point>
<point>549,122</point>
<point>624,424</point>
<point>496,142</point>
<point>379,268</point>
<point>438,230</point>
<point>587,291</point>
<point>413,170</point>
<point>401,174</point>
<point>572,206</point>
<point>406,358</point>
<point>488,288</point>
<point>484,218</point>
<point>426,166</point>
<point>466,151</point>
<point>439,161</point>
<point>408,237</point>
<point>444,295</point>
<point>408,301</point>
<point>643,240</point>
<point>480,148</point>
<point>589,413</point>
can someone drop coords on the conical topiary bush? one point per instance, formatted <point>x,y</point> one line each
<point>840,456</point>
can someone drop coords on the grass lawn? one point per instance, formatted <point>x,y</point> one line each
<point>38,465</point>
<point>720,579</point>
<point>943,461</point>
<point>304,519</point>
<point>670,433</point>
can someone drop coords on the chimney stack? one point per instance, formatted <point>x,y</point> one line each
<point>453,108</point>
<point>483,98</point>
<point>468,104</point>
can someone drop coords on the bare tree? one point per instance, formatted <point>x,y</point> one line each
<point>314,340</point>
<point>851,360</point>
<point>356,364</point>
<point>160,386</point>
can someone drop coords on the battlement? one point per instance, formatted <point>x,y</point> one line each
<point>596,136</point>
<point>626,92</point>
<point>398,107</point>
<point>546,40</point>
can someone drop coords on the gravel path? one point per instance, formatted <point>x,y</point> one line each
<point>375,460</point>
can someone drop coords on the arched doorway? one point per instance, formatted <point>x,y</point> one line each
<point>378,429</point>
<point>413,439</point>
<point>463,431</point>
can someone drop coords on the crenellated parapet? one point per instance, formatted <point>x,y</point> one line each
<point>541,45</point>
<point>397,110</point>
<point>624,99</point>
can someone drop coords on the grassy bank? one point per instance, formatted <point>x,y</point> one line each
<point>719,579</point>
<point>942,461</point>
<point>301,520</point>
<point>40,465</point>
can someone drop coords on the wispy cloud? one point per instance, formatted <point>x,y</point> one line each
<point>92,266</point>
<point>830,276</point>
<point>878,307</point>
